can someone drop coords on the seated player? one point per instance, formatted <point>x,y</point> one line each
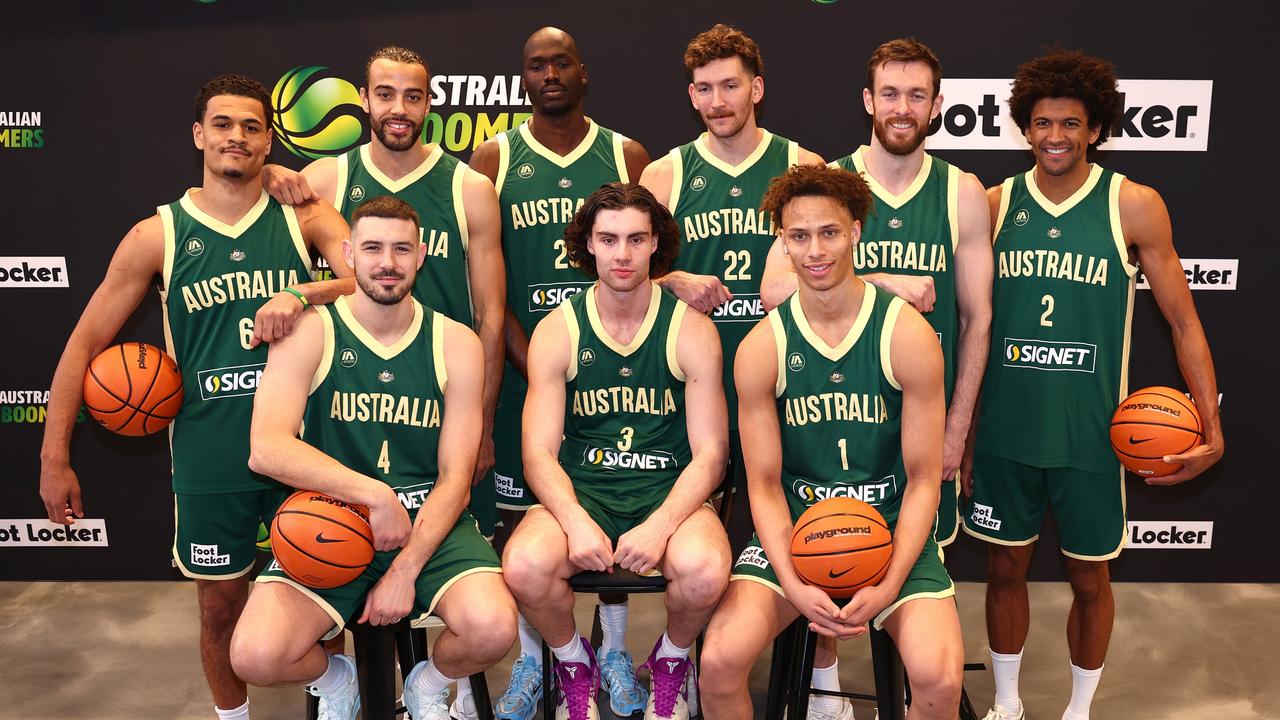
<point>387,394</point>
<point>625,438</point>
<point>840,392</point>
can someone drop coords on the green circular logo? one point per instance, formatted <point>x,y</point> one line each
<point>317,113</point>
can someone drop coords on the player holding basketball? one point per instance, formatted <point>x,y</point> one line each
<point>220,252</point>
<point>624,441</point>
<point>388,396</point>
<point>841,393</point>
<point>543,170</point>
<point>1069,239</point>
<point>927,240</point>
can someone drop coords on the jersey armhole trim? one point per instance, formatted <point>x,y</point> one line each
<point>780,348</point>
<point>953,205</point>
<point>340,185</point>
<point>437,351</point>
<point>620,157</point>
<point>1117,230</point>
<point>460,212</point>
<point>673,338</point>
<point>504,161</point>
<point>793,153</point>
<point>326,355</point>
<point>170,247</point>
<point>677,179</point>
<point>571,326</point>
<point>1006,189</point>
<point>295,233</point>
<point>886,341</point>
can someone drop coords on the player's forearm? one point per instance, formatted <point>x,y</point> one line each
<point>517,344</point>
<point>671,281</point>
<point>773,525</point>
<point>693,488</point>
<point>323,292</point>
<point>436,518</point>
<point>491,330</point>
<point>915,521</point>
<point>778,286</point>
<point>66,392</point>
<point>551,485</point>
<point>299,465</point>
<point>1196,364</point>
<point>971,363</point>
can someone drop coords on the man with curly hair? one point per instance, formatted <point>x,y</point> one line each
<point>841,395</point>
<point>1069,240</point>
<point>625,438</point>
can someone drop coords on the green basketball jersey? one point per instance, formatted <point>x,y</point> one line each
<point>840,408</point>
<point>215,278</point>
<point>376,408</point>
<point>915,233</point>
<point>1063,303</point>
<point>625,439</point>
<point>434,189</point>
<point>717,206</point>
<point>538,193</point>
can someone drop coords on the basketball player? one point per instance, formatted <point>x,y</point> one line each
<point>1069,239</point>
<point>929,223</point>
<point>713,187</point>
<point>543,170</point>
<point>841,393</point>
<point>388,396</point>
<point>625,439</point>
<point>220,252</point>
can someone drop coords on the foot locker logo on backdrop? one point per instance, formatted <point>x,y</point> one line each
<point>85,532</point>
<point>1171,534</point>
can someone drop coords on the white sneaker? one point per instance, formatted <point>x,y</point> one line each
<point>424,708</point>
<point>343,703</point>
<point>999,713</point>
<point>844,713</point>
<point>464,709</point>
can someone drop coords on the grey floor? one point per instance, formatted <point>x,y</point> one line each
<point>127,650</point>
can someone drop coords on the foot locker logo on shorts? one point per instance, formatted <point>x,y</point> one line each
<point>984,516</point>
<point>207,556</point>
<point>754,556</point>
<point>506,486</point>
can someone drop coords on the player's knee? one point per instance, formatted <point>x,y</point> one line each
<point>1007,566</point>
<point>701,579</point>
<point>220,606</point>
<point>723,667</point>
<point>1090,581</point>
<point>937,685</point>
<point>527,570</point>
<point>254,661</point>
<point>487,629</point>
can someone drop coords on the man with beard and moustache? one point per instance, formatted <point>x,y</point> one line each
<point>713,187</point>
<point>543,170</point>
<point>225,254</point>
<point>376,400</point>
<point>625,439</point>
<point>928,239</point>
<point>1069,240</point>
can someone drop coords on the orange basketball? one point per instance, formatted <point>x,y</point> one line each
<point>841,545</point>
<point>321,542</point>
<point>133,389</point>
<point>1151,423</point>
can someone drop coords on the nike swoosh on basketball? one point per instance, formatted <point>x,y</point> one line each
<point>836,575</point>
<point>320,538</point>
<point>1135,441</point>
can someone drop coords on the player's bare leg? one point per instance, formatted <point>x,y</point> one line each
<point>750,616</point>
<point>221,602</point>
<point>1008,608</point>
<point>537,569</point>
<point>927,633</point>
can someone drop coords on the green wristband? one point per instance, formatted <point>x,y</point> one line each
<point>301,298</point>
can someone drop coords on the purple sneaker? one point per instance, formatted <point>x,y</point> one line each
<point>576,688</point>
<point>669,681</point>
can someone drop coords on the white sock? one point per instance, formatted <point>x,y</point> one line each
<point>613,625</point>
<point>827,678</point>
<point>1005,669</point>
<point>530,640</point>
<point>464,690</point>
<point>668,649</point>
<point>1083,684</point>
<point>240,713</point>
<point>572,652</point>
<point>427,680</point>
<point>338,673</point>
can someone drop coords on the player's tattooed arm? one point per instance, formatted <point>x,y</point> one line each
<point>137,261</point>
<point>1148,230</point>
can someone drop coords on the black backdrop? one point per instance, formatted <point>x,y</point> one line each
<point>113,82</point>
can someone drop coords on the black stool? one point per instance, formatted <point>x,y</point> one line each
<point>791,671</point>
<point>376,650</point>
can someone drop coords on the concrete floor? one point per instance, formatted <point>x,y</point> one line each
<point>127,650</point>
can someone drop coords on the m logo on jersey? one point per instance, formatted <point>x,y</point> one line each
<point>744,307</point>
<point>1021,217</point>
<point>872,493</point>
<point>229,381</point>
<point>546,296</point>
<point>1050,355</point>
<point>795,362</point>
<point>619,460</point>
<point>698,183</point>
<point>525,171</point>
<point>347,358</point>
<point>586,357</point>
<point>194,246</point>
<point>357,193</point>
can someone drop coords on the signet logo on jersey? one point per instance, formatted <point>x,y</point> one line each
<point>228,382</point>
<point>1164,115</point>
<point>1050,355</point>
<point>546,296</point>
<point>871,493</point>
<point>625,460</point>
<point>743,307</point>
<point>1204,274</point>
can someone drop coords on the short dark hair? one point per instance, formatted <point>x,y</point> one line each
<point>232,84</point>
<point>1068,74</point>
<point>395,53</point>
<point>846,188</point>
<point>723,41</point>
<point>616,196</point>
<point>385,206</point>
<point>904,50</point>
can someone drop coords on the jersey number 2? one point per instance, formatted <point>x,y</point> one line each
<point>1047,302</point>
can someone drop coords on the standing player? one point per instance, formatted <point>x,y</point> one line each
<point>841,394</point>
<point>713,187</point>
<point>543,171</point>
<point>387,394</point>
<point>219,252</point>
<point>1069,239</point>
<point>928,234</point>
<point>625,439</point>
